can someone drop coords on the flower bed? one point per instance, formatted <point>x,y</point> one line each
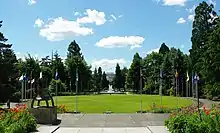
<point>62,109</point>
<point>17,120</point>
<point>188,121</point>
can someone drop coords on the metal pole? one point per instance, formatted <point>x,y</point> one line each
<point>56,92</point>
<point>187,91</point>
<point>22,90</point>
<point>177,91</point>
<point>161,88</point>
<point>25,90</point>
<point>76,90</point>
<point>141,87</point>
<point>197,93</point>
<point>192,86</point>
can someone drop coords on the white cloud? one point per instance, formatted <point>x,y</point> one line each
<point>77,14</point>
<point>31,2</point>
<point>117,41</point>
<point>120,16</point>
<point>181,21</point>
<point>58,29</point>
<point>154,50</point>
<point>108,65</point>
<point>191,10</point>
<point>191,17</point>
<point>93,16</point>
<point>212,2</point>
<point>38,23</point>
<point>23,56</point>
<point>113,16</point>
<point>174,2</point>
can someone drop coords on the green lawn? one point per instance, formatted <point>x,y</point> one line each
<point>118,103</point>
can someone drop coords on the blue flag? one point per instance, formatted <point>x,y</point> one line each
<point>25,78</point>
<point>56,75</point>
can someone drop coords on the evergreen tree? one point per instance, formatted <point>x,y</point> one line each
<point>105,82</point>
<point>118,77</point>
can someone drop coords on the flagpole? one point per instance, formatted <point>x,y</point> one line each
<point>161,88</point>
<point>76,91</point>
<point>141,88</point>
<point>31,86</point>
<point>177,88</point>
<point>192,85</point>
<point>22,89</point>
<point>25,88</point>
<point>56,78</point>
<point>56,93</point>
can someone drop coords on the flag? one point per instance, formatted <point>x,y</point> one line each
<point>41,75</point>
<point>187,76</point>
<point>176,74</point>
<point>21,78</point>
<point>25,78</point>
<point>32,81</point>
<point>56,75</point>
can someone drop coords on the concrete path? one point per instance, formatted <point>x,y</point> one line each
<point>151,129</point>
<point>112,120</point>
<point>112,123</point>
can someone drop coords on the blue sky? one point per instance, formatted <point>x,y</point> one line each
<point>107,31</point>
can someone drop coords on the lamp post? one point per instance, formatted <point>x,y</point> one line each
<point>196,78</point>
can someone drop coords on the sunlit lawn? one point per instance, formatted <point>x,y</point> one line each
<point>118,103</point>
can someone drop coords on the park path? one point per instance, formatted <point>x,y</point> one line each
<point>109,123</point>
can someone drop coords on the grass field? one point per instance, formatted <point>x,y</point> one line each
<point>118,103</point>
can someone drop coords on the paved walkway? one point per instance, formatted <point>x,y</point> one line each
<point>112,123</point>
<point>112,120</point>
<point>150,129</point>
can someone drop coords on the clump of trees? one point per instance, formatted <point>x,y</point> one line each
<point>203,60</point>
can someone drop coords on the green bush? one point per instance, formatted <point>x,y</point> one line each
<point>17,120</point>
<point>16,97</point>
<point>188,121</point>
<point>61,87</point>
<point>171,91</point>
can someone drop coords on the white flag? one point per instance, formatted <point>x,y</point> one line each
<point>21,78</point>
<point>32,81</point>
<point>41,75</point>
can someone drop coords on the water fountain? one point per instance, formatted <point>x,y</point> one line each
<point>110,89</point>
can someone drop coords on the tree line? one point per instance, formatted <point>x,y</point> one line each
<point>176,69</point>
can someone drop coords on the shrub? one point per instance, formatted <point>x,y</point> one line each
<point>17,120</point>
<point>188,121</point>
<point>16,97</point>
<point>62,109</point>
<point>159,109</point>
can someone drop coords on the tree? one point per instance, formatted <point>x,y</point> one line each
<point>118,77</point>
<point>167,74</point>
<point>99,83</point>
<point>124,73</point>
<point>200,31</point>
<point>105,82</point>
<point>95,79</point>
<point>151,70</point>
<point>134,73</point>
<point>8,71</point>
<point>163,49</point>
<point>58,66</point>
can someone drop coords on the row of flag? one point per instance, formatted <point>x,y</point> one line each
<point>194,77</point>
<point>25,78</point>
